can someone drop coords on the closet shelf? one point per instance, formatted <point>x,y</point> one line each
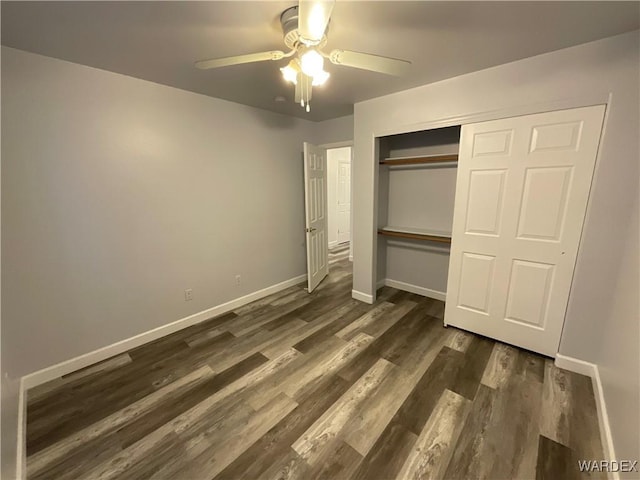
<point>416,234</point>
<point>422,160</point>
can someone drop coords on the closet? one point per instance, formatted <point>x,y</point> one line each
<point>416,191</point>
<point>488,217</point>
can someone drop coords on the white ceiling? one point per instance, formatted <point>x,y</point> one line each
<point>159,41</point>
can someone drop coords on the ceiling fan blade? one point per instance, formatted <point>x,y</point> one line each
<point>238,59</point>
<point>367,61</point>
<point>313,18</point>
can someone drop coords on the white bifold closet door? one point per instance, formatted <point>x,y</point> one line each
<point>521,196</point>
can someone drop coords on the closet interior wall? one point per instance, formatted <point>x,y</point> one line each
<point>416,198</point>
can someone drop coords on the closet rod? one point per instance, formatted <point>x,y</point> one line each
<point>415,236</point>
<point>419,160</point>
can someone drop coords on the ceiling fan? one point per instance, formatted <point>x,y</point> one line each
<point>305,34</point>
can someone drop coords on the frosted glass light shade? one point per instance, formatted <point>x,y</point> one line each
<point>320,78</point>
<point>311,63</point>
<point>290,73</point>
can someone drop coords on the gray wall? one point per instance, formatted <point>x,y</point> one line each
<point>118,194</point>
<point>618,358</point>
<point>333,131</point>
<point>595,70</point>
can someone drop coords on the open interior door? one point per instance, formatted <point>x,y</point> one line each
<point>315,203</point>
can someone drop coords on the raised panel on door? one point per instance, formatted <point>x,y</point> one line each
<point>544,202</point>
<point>476,280</point>
<point>485,200</point>
<point>529,289</point>
<point>521,196</point>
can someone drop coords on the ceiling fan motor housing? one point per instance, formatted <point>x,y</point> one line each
<point>289,22</point>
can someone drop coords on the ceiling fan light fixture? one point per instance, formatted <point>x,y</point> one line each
<point>291,71</point>
<point>320,78</point>
<point>311,62</point>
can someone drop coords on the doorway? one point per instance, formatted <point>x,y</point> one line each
<point>339,197</point>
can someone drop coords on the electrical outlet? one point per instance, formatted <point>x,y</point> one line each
<point>238,279</point>
<point>188,294</point>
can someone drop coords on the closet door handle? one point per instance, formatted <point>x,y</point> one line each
<point>309,230</point>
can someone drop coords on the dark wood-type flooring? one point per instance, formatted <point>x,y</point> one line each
<point>317,385</point>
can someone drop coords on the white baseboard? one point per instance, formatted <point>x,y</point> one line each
<point>380,284</point>
<point>363,297</point>
<point>591,370</point>
<point>408,287</point>
<point>21,451</point>
<point>50,373</point>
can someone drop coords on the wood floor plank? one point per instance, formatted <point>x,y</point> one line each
<point>40,391</point>
<point>290,467</point>
<point>191,419</point>
<point>307,329</point>
<point>584,433</point>
<point>470,373</point>
<point>215,429</point>
<point>363,430</point>
<point>459,340</point>
<point>249,323</point>
<point>39,460</point>
<point>512,429</point>
<point>329,330</point>
<point>432,451</point>
<point>555,461</point>
<point>417,408</point>
<point>339,463</point>
<point>102,396</point>
<point>373,315</point>
<point>179,338</point>
<point>78,462</point>
<point>320,436</point>
<point>170,408</point>
<point>211,461</point>
<point>250,344</point>
<point>309,370</point>
<point>271,386</point>
<point>268,300</point>
<point>377,411</point>
<point>556,405</point>
<point>530,365</point>
<point>399,340</point>
<point>381,325</point>
<point>388,454</point>
<point>285,299</point>
<point>276,444</point>
<point>469,455</point>
<point>500,366</point>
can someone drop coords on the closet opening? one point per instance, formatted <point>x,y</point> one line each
<point>416,192</point>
